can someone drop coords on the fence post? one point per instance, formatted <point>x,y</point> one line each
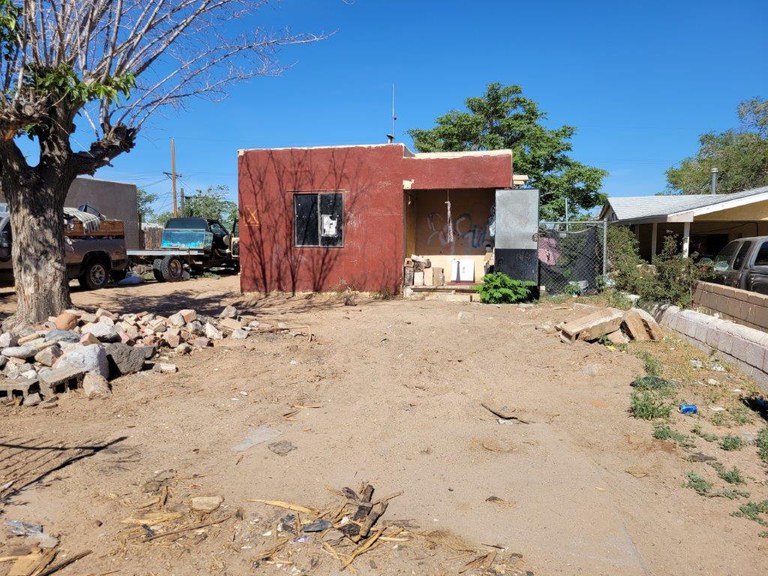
<point>605,249</point>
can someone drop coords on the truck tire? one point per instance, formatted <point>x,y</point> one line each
<point>168,269</point>
<point>95,274</point>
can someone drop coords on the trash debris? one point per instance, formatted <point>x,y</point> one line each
<point>697,364</point>
<point>281,447</point>
<point>688,409</point>
<point>256,436</point>
<point>318,526</point>
<point>34,532</point>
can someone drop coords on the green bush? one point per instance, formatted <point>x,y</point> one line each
<point>624,258</point>
<point>498,288</point>
<point>647,406</point>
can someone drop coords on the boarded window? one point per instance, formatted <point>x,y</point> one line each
<point>319,219</point>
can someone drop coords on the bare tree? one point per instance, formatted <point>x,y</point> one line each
<point>111,65</point>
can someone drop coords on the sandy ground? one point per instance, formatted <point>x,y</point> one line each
<point>393,391</point>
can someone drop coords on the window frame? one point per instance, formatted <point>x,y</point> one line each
<point>319,214</point>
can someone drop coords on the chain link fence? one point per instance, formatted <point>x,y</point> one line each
<point>572,256</point>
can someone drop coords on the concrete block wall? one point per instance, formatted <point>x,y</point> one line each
<point>742,346</point>
<point>747,308</point>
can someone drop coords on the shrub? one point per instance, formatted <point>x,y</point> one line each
<point>624,258</point>
<point>698,483</point>
<point>498,288</point>
<point>647,406</point>
<point>664,432</point>
<point>731,442</point>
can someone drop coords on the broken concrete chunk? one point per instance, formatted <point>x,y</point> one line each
<point>176,320</point>
<point>228,312</point>
<point>230,324</point>
<point>201,342</point>
<point>184,348</point>
<point>19,352</point>
<point>651,326</point>
<point>635,326</point>
<point>594,325</point>
<point>86,358</point>
<point>88,339</point>
<point>96,386</point>
<point>165,368</point>
<point>32,399</point>
<point>7,339</point>
<point>62,336</point>
<point>239,334</point>
<point>188,315</point>
<point>102,331</point>
<point>47,356</point>
<point>173,340</point>
<point>196,327</point>
<point>206,504</point>
<point>101,313</point>
<point>212,332</point>
<point>617,338</point>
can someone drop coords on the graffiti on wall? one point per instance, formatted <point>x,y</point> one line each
<point>463,228</point>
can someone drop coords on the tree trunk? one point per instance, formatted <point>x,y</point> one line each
<point>40,274</point>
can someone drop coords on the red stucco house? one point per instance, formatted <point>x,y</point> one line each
<point>321,219</point>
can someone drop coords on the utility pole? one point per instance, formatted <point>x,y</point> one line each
<point>173,175</point>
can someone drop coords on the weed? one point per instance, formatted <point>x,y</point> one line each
<point>619,300</point>
<point>698,483</point>
<point>664,432</point>
<point>654,384</point>
<point>648,407</point>
<point>740,414</point>
<point>733,494</point>
<point>763,534</point>
<point>719,419</point>
<point>732,476</point>
<point>762,444</point>
<point>732,442</point>
<point>498,288</point>
<point>752,511</point>
<point>650,363</point>
<point>701,434</point>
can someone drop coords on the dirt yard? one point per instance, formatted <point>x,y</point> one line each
<point>390,393</point>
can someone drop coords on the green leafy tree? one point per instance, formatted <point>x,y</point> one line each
<point>740,156</point>
<point>145,200</point>
<point>211,203</point>
<point>503,118</point>
<point>110,65</point>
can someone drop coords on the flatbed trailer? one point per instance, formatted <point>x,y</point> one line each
<point>167,263</point>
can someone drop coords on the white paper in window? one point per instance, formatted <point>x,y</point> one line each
<point>330,226</point>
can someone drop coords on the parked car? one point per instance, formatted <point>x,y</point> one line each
<point>92,257</point>
<point>743,264</point>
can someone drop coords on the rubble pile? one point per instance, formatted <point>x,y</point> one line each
<point>614,325</point>
<point>79,349</point>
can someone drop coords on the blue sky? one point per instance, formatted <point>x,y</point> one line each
<point>639,80</point>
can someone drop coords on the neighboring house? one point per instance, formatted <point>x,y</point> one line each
<point>116,200</point>
<point>321,219</point>
<point>703,223</point>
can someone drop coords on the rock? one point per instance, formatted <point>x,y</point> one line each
<point>148,351</point>
<point>87,358</point>
<point>29,373</point>
<point>547,328</point>
<point>88,339</point>
<point>87,317</point>
<point>618,337</point>
<point>101,313</point>
<point>47,356</point>
<point>104,332</point>
<point>176,320</point>
<point>32,400</point>
<point>165,368</point>
<point>698,364</point>
<point>715,367</point>
<point>19,352</point>
<point>66,320</point>
<point>188,315</point>
<point>96,386</point>
<point>57,335</point>
<point>239,334</point>
<point>253,324</point>
<point>201,342</point>
<point>173,340</point>
<point>230,324</point>
<point>7,339</point>
<point>123,359</point>
<point>206,504</point>
<point>11,370</point>
<point>212,332</point>
<point>712,382</point>
<point>196,327</point>
<point>228,312</point>
<point>183,348</point>
<point>158,326</point>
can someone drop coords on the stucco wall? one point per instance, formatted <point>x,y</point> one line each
<point>115,200</point>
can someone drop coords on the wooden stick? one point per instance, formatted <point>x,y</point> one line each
<point>361,549</point>
<point>188,528</point>
<point>64,563</point>
<point>286,505</point>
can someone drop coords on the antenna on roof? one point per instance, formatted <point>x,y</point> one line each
<point>391,137</point>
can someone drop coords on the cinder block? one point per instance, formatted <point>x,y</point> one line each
<point>750,352</point>
<point>713,336</point>
<point>724,342</point>
<point>757,299</point>
<point>759,316</point>
<point>745,309</point>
